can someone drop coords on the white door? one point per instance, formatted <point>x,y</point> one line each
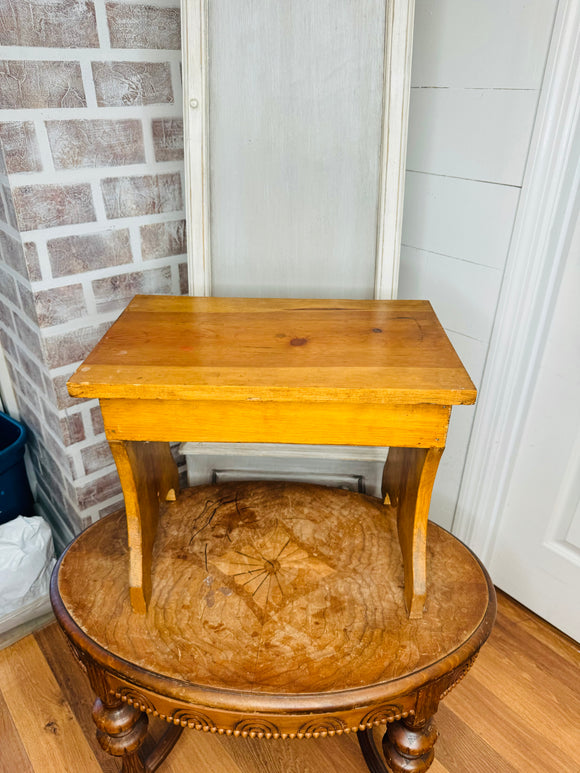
<point>536,556</point>
<point>295,140</point>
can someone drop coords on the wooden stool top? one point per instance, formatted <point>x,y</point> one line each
<point>276,599</point>
<point>272,349</point>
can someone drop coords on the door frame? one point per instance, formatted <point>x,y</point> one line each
<point>547,211</point>
<point>396,91</point>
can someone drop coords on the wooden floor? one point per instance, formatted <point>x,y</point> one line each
<point>518,710</point>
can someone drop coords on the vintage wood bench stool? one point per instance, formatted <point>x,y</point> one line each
<point>273,609</point>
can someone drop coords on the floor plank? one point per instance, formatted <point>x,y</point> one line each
<point>74,686</point>
<point>13,755</point>
<point>323,755</point>
<point>541,662</point>
<point>198,751</point>
<point>460,748</point>
<point>531,624</point>
<point>47,727</point>
<point>528,748</point>
<point>536,698</point>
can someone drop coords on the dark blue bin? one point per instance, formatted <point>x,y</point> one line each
<point>15,495</point>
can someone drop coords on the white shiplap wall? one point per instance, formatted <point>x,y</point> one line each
<point>477,72</point>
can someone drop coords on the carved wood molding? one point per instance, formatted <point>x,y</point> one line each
<point>282,726</point>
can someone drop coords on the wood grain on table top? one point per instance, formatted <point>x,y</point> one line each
<point>275,349</point>
<point>275,588</point>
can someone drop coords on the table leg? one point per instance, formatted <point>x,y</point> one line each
<point>408,745</point>
<point>121,731</point>
<point>148,476</point>
<point>371,754</point>
<point>408,482</point>
<point>121,728</point>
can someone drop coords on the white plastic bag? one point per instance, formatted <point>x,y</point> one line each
<point>26,562</point>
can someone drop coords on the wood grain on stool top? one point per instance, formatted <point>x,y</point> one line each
<point>274,588</point>
<point>273,349</point>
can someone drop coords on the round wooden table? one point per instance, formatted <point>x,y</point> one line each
<point>277,612</point>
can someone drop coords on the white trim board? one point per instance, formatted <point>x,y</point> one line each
<point>399,19</point>
<point>194,36</point>
<point>549,203</point>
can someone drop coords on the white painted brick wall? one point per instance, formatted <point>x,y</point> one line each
<point>96,121</point>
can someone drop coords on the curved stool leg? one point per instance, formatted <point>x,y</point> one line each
<point>408,745</point>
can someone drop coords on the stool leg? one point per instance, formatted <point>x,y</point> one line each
<point>408,745</point>
<point>148,476</point>
<point>408,480</point>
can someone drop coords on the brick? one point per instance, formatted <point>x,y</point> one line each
<point>60,304</point>
<point>32,262</point>
<point>72,429</point>
<point>49,390</point>
<point>97,420</point>
<point>11,366</point>
<point>183,279</point>
<point>12,254</point>
<point>52,464</point>
<point>143,26</point>
<point>99,490</point>
<point>25,390</point>
<point>76,254</point>
<point>51,481</point>
<point>61,24</point>
<point>63,399</point>
<point>9,204</point>
<point>29,337</point>
<point>118,505</point>
<point>148,195</point>
<point>27,302</point>
<point>6,317</point>
<point>30,417</point>
<point>31,368</point>
<point>71,347</point>
<point>21,151</point>
<point>8,284</point>
<point>85,143</point>
<point>46,206</point>
<point>96,457</point>
<point>51,418</point>
<point>160,240</point>
<point>56,450</point>
<point>167,138</point>
<point>40,84</point>
<point>132,83</point>
<point>61,513</point>
<point>7,340</point>
<point>71,494</point>
<point>115,292</point>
